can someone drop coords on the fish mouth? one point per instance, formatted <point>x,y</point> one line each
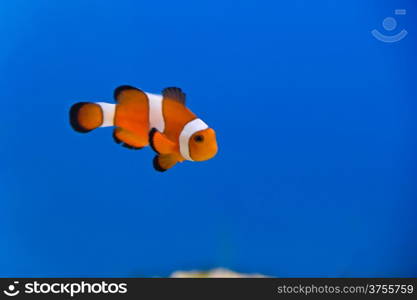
<point>209,155</point>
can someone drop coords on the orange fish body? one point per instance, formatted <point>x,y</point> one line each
<point>163,121</point>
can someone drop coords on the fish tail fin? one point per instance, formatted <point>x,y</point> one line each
<point>87,116</point>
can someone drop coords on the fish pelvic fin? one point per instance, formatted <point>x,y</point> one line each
<point>163,162</point>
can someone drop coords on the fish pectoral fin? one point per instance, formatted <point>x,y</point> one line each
<point>164,162</point>
<point>160,143</point>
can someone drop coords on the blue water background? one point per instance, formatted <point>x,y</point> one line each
<point>316,122</point>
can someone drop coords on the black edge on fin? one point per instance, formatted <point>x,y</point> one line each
<point>117,141</point>
<point>174,93</point>
<point>74,117</point>
<point>156,165</point>
<point>122,88</point>
<point>151,134</point>
<point>131,147</point>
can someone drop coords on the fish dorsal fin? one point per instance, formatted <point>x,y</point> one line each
<point>127,91</point>
<point>174,93</point>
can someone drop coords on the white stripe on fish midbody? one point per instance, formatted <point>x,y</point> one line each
<point>156,117</point>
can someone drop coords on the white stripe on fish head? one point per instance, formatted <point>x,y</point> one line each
<point>189,129</point>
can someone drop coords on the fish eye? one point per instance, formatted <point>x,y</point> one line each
<point>199,138</point>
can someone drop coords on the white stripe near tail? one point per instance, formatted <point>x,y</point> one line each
<point>108,113</point>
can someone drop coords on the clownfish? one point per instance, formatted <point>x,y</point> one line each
<point>141,119</point>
